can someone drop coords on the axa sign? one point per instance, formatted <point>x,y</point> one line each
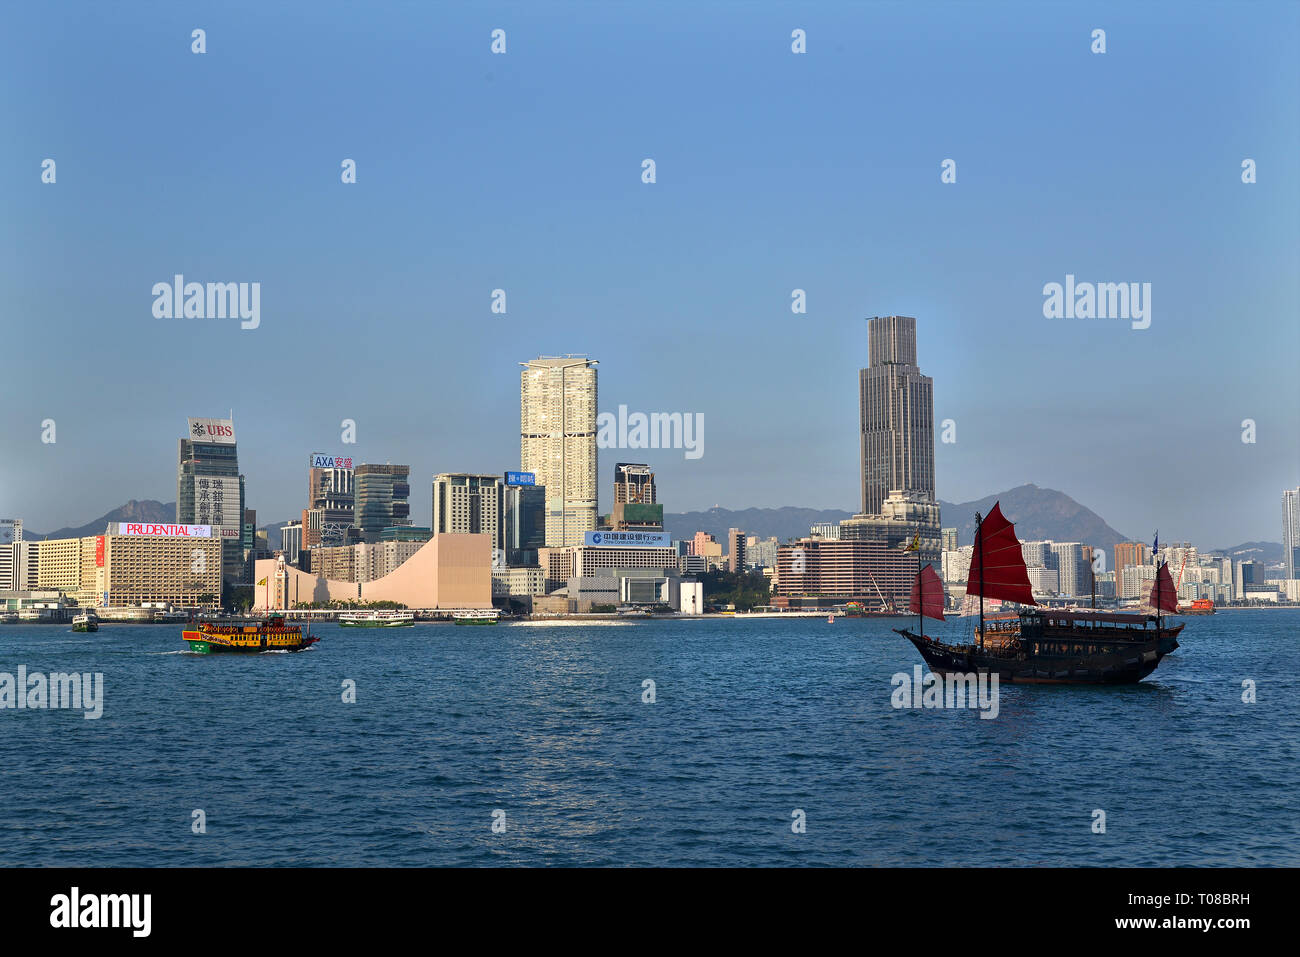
<point>218,431</point>
<point>319,461</point>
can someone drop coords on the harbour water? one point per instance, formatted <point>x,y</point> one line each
<point>752,721</point>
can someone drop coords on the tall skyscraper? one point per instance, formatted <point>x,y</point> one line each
<point>383,499</point>
<point>1072,567</point>
<point>11,537</point>
<point>524,519</point>
<point>1129,553</point>
<point>210,490</point>
<point>635,505</point>
<point>896,411</point>
<point>1291,531</point>
<point>634,483</point>
<point>736,543</point>
<point>469,504</point>
<point>557,441</point>
<point>331,502</point>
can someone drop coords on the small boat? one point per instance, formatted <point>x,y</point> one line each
<point>1039,645</point>
<point>483,616</point>
<point>1199,606</point>
<point>376,619</point>
<point>269,634</point>
<point>830,619</point>
<point>85,622</point>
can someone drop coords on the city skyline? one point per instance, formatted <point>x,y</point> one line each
<point>379,294</point>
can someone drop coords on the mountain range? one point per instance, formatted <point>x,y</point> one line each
<point>1039,513</point>
<point>148,510</point>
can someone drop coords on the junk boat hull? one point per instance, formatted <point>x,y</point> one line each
<point>270,635</point>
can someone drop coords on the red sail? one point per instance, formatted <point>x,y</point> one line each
<point>1163,594</point>
<point>927,594</point>
<point>1001,572</point>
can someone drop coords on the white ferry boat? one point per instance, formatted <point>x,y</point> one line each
<point>376,619</point>
<point>482,616</point>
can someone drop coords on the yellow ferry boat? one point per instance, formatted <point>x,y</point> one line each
<point>271,634</point>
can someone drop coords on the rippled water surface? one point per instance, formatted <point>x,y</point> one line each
<point>546,723</point>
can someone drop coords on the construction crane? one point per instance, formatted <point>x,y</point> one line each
<point>885,606</point>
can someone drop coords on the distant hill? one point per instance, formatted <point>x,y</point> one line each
<point>148,510</point>
<point>272,533</point>
<point>784,523</point>
<point>1270,553</point>
<point>1038,513</point>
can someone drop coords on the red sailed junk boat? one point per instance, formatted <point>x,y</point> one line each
<point>1040,645</point>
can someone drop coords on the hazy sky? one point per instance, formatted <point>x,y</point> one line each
<point>775,171</point>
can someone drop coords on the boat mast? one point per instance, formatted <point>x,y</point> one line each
<point>1159,596</point>
<point>979,551</point>
<point>920,603</point>
<point>1092,576</point>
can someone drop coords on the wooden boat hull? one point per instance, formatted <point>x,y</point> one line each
<point>1129,663</point>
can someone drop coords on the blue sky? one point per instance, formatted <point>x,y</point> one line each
<point>775,171</point>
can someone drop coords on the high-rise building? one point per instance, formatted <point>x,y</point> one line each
<point>469,504</point>
<point>1072,568</point>
<point>736,550</point>
<point>210,490</point>
<point>896,410</point>
<point>383,494</point>
<point>819,573</point>
<point>329,519</point>
<point>557,441</point>
<point>11,535</point>
<point>948,539</point>
<point>635,506</point>
<point>634,483</point>
<point>761,552</point>
<point>291,541</point>
<point>1129,553</point>
<point>907,522</point>
<point>523,518</point>
<point>1291,531</point>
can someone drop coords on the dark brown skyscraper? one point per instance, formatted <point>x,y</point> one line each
<point>896,405</point>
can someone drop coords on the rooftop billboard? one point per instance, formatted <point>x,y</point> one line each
<point>628,539</point>
<point>216,431</point>
<point>161,528</point>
